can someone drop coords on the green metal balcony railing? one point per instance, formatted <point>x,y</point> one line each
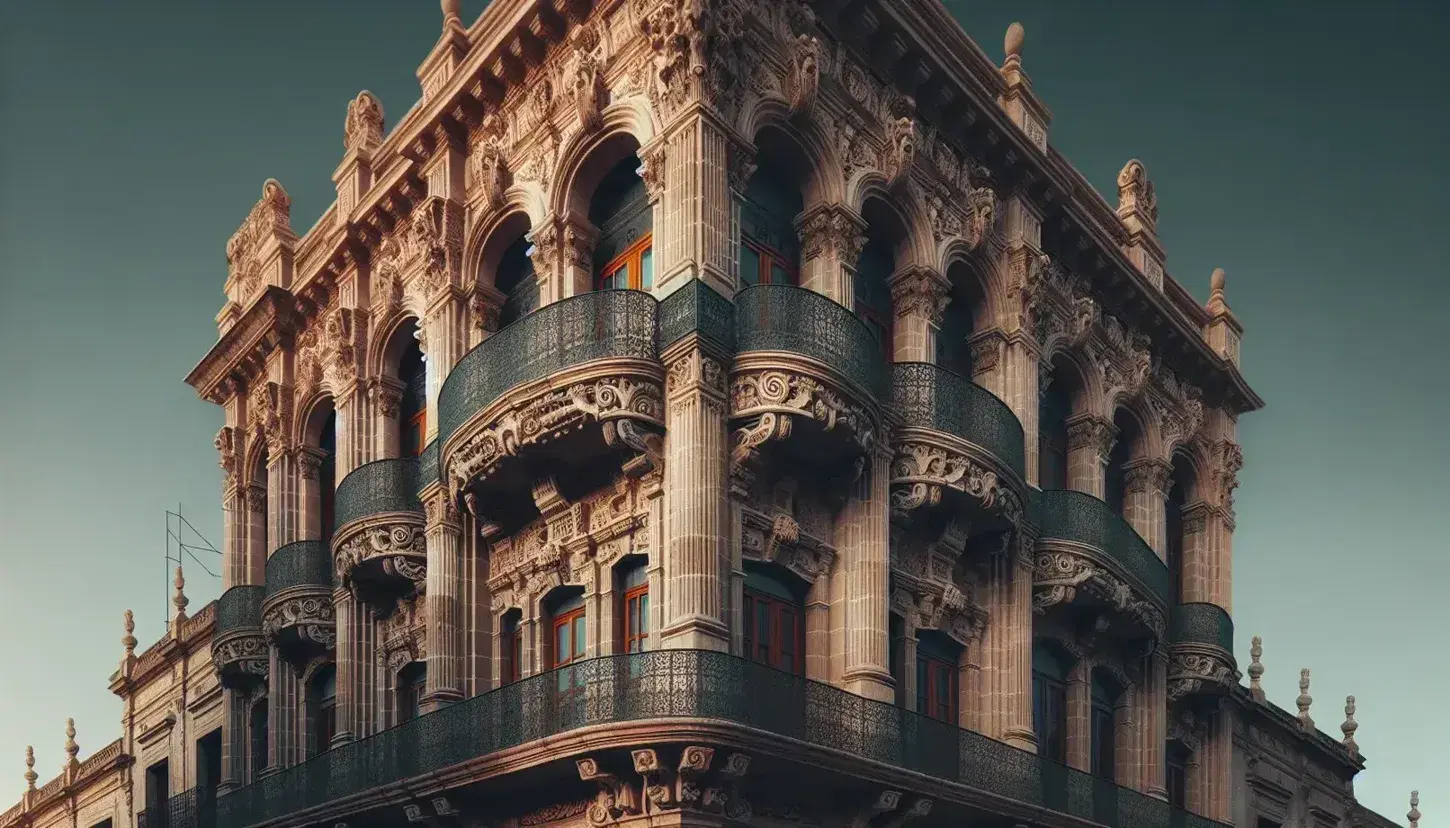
<point>570,332</point>
<point>428,466</point>
<point>929,396</point>
<point>697,308</point>
<point>699,685</point>
<point>304,563</point>
<point>800,321</point>
<point>377,488</point>
<point>195,808</point>
<point>1201,623</point>
<point>1079,517</point>
<point>239,608</point>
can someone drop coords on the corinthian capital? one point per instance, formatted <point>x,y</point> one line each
<point>1089,431</point>
<point>920,292</point>
<point>831,229</point>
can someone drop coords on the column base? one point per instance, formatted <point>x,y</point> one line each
<point>439,699</point>
<point>1021,739</point>
<point>696,633</point>
<point>872,683</point>
<point>341,738</point>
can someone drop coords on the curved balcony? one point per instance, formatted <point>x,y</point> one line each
<point>956,440</point>
<point>238,648</point>
<point>297,611</point>
<point>567,386</point>
<point>1202,652</point>
<point>818,736</point>
<point>1090,558</point>
<point>378,545</point>
<point>806,369</point>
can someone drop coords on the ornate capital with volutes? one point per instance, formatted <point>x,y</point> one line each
<point>1088,431</point>
<point>920,292</point>
<point>831,230</point>
<point>1148,476</point>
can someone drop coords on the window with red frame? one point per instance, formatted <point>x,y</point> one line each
<point>632,270</point>
<point>568,641</point>
<point>774,628</point>
<point>763,265</point>
<point>634,609</point>
<point>512,644</point>
<point>413,408</point>
<point>936,688</point>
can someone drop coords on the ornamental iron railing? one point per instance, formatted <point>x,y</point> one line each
<point>1202,623</point>
<point>376,488</point>
<point>697,308</point>
<point>428,466</point>
<point>929,396</point>
<point>801,321</point>
<point>1075,516</point>
<point>195,808</point>
<point>304,563</point>
<point>570,332</point>
<point>692,684</point>
<point>239,608</point>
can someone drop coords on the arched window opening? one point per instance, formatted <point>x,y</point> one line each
<point>632,586</point>
<point>1115,483</point>
<point>1049,700</point>
<point>516,281</point>
<point>1054,409</point>
<point>769,245</point>
<point>1177,774</point>
<point>1105,693</point>
<point>1177,501</point>
<point>774,621</point>
<point>959,322</point>
<point>322,709</point>
<point>874,269</point>
<point>327,475</point>
<point>258,727</point>
<point>620,209</point>
<point>412,681</point>
<point>511,647</point>
<point>413,409</point>
<point>936,676</point>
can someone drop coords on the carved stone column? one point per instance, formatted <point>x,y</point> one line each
<point>1151,716</point>
<point>344,613</point>
<point>356,424</point>
<point>1146,495</point>
<point>255,533</point>
<point>863,544</point>
<point>1006,686</point>
<point>281,501</point>
<point>1089,440</point>
<point>696,498</point>
<point>234,740</point>
<point>1210,773</point>
<point>445,340</point>
<point>385,401</point>
<point>443,635</point>
<point>283,697</point>
<point>918,299</point>
<point>831,237</point>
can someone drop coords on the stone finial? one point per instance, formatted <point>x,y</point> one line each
<point>1414,815</point>
<point>1256,669</point>
<point>1304,701</point>
<point>179,601</point>
<point>363,128</point>
<point>451,13</point>
<point>128,641</point>
<point>71,748</point>
<point>1216,302</point>
<point>1012,44</point>
<point>30,774</point>
<point>1136,196</point>
<point>1349,727</point>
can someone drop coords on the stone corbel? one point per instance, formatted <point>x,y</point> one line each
<point>886,811</point>
<point>746,443</point>
<point>614,799</point>
<point>647,445</point>
<point>922,473</point>
<point>590,91</point>
<point>804,78</point>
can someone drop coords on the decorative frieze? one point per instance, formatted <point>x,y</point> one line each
<point>696,783</point>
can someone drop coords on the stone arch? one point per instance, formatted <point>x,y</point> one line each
<point>497,244</point>
<point>312,414</point>
<point>387,344</point>
<point>870,186</point>
<point>1085,384</point>
<point>825,184</point>
<point>1147,442</point>
<point>970,312</point>
<point>627,127</point>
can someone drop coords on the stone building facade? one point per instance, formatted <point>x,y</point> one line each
<point>706,411</point>
<point>169,752</point>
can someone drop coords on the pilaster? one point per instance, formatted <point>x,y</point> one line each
<point>1146,486</point>
<point>918,298</point>
<point>831,237</point>
<point>863,543</point>
<point>692,170</point>
<point>283,699</point>
<point>1005,697</point>
<point>696,498</point>
<point>1151,716</point>
<point>443,635</point>
<point>1079,716</point>
<point>1089,441</point>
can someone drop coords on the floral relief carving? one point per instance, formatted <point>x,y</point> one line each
<point>311,616</point>
<point>803,81</point>
<point>398,549</point>
<point>900,151</point>
<point>590,92</point>
<point>920,292</point>
<point>769,399</point>
<point>242,654</point>
<point>696,783</point>
<point>831,230</point>
<point>1192,673</point>
<point>922,472</point>
<point>226,446</point>
<point>545,417</point>
<point>270,414</point>
<point>939,604</point>
<point>363,129</point>
<point>433,244</point>
<point>269,220</point>
<point>488,172</point>
<point>697,52</point>
<point>652,161</point>
<point>779,539</point>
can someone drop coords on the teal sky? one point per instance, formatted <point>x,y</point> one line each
<point>1299,145</point>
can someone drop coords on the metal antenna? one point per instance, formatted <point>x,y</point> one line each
<point>183,541</point>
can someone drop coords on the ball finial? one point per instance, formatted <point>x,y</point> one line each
<point>450,10</point>
<point>1012,44</point>
<point>1216,281</point>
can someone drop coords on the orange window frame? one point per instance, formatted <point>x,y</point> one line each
<point>418,425</point>
<point>632,258</point>
<point>634,619</point>
<point>575,653</point>
<point>931,674</point>
<point>513,654</point>
<point>769,257</point>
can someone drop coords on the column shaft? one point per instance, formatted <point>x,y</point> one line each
<point>862,540</point>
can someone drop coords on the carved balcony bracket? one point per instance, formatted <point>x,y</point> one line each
<point>697,783</point>
<point>779,539</point>
<point>383,558</point>
<point>923,471</point>
<point>1064,575</point>
<point>1198,670</point>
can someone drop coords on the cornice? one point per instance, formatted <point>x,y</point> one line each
<point>1285,724</point>
<point>245,345</point>
<point>967,68</point>
<point>196,634</point>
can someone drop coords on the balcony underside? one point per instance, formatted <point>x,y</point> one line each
<point>554,428</point>
<point>240,658</point>
<point>384,558</point>
<point>1200,672</point>
<point>1087,584</point>
<point>300,622</point>
<point>792,411</point>
<point>932,470</point>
